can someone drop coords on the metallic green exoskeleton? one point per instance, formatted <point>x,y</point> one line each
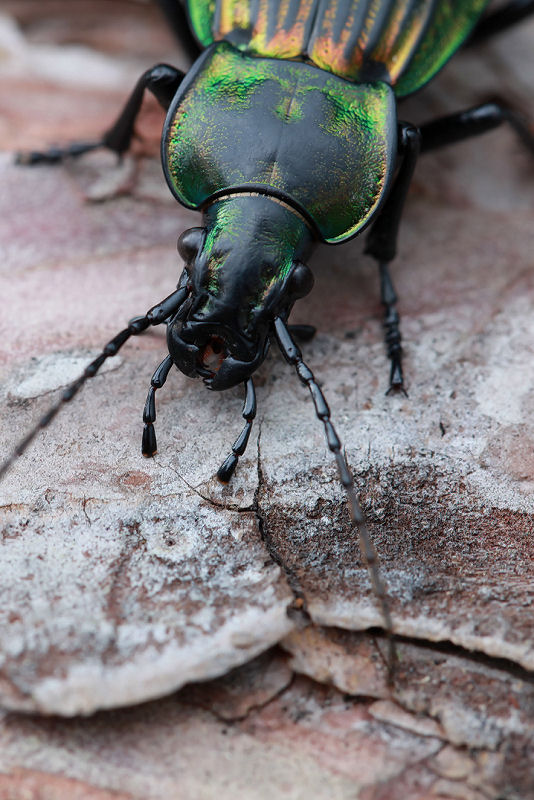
<point>325,146</point>
<point>401,42</point>
<point>284,132</point>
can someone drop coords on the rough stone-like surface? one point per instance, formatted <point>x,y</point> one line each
<point>309,741</point>
<point>296,741</point>
<point>122,579</point>
<point>446,475</point>
<point>467,700</point>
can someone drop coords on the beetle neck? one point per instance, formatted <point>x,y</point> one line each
<point>252,244</point>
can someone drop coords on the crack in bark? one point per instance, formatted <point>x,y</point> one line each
<point>448,647</point>
<point>441,737</point>
<point>254,707</point>
<point>298,606</point>
<point>210,500</point>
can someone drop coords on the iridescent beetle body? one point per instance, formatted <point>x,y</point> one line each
<point>241,140</point>
<point>294,102</point>
<point>284,133</point>
<point>400,42</point>
<point>324,146</point>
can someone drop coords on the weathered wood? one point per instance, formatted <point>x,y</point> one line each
<point>123,579</point>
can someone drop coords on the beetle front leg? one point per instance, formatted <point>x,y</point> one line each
<point>162,80</point>
<point>382,245</point>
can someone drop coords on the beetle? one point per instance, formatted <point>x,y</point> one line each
<point>284,133</point>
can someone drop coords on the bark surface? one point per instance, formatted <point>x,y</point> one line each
<point>125,579</point>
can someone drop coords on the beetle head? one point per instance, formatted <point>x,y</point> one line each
<point>243,269</point>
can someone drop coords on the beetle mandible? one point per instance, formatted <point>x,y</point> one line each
<point>284,133</point>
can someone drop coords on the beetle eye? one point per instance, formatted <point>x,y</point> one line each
<point>301,281</point>
<point>190,243</point>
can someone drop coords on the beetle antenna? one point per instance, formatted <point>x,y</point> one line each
<point>293,356</point>
<point>156,315</point>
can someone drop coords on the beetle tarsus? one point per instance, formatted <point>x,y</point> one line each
<point>382,245</point>
<point>149,446</point>
<point>396,381</point>
<point>56,154</point>
<point>392,334</point>
<point>227,468</point>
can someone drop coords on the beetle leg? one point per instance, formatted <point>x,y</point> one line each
<point>162,80</point>
<point>155,316</point>
<point>474,122</point>
<point>382,245</point>
<point>501,19</point>
<point>226,470</point>
<point>393,336</point>
<point>293,356</point>
<point>149,446</point>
